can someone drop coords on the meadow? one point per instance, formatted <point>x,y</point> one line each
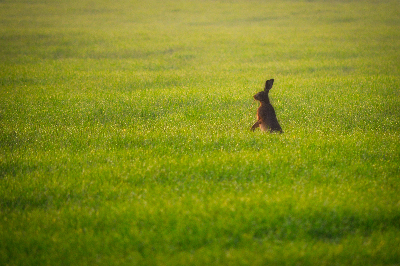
<point>125,132</point>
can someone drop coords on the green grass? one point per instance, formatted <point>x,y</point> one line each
<point>125,133</point>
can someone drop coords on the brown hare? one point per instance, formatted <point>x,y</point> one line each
<point>266,117</point>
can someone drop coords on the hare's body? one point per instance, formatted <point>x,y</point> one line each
<point>266,117</point>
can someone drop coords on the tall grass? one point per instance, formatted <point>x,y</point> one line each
<point>125,133</point>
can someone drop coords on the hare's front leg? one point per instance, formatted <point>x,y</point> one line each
<point>256,125</point>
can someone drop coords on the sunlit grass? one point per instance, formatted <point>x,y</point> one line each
<point>125,133</point>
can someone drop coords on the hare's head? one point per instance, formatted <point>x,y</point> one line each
<point>262,96</point>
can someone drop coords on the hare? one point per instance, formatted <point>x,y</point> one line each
<point>266,117</point>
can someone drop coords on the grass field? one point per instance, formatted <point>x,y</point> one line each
<point>125,132</point>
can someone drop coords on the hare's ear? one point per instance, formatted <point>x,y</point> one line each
<point>268,84</point>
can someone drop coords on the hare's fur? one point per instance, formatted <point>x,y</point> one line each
<point>266,117</point>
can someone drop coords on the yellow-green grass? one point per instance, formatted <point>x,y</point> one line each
<point>125,133</point>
